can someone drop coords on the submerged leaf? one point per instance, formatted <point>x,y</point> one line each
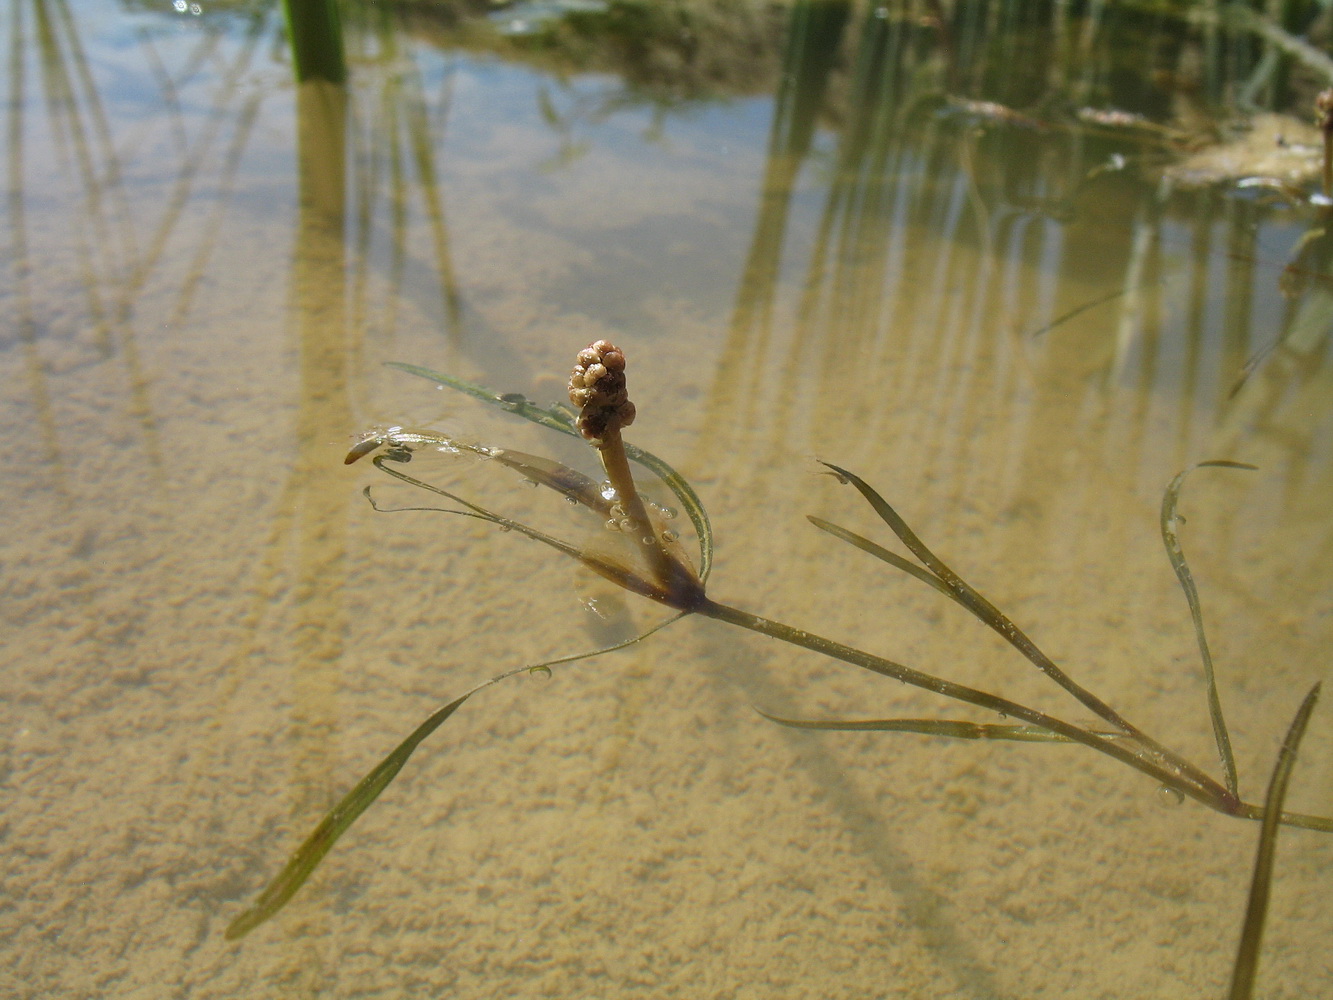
<point>969,597</point>
<point>880,552</point>
<point>335,824</point>
<point>400,442</point>
<point>558,418</point>
<point>308,856</point>
<point>1171,539</point>
<point>1256,911</point>
<point>952,728</point>
<point>622,574</point>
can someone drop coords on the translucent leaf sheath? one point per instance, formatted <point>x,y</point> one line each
<point>558,418</point>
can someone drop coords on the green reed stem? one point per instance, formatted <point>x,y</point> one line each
<point>317,40</point>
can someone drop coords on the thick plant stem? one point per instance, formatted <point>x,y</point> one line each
<point>317,40</point>
<point>1323,109</point>
<point>1180,775</point>
<point>676,579</point>
<point>597,387</point>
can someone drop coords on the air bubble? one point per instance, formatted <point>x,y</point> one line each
<point>648,539</point>
<point>572,501</point>
<point>670,536</point>
<point>181,6</point>
<point>608,491</point>
<point>612,525</point>
<point>1170,796</point>
<point>195,9</point>
<point>629,524</point>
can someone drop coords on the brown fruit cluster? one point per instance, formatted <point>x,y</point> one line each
<point>1323,110</point>
<point>597,388</point>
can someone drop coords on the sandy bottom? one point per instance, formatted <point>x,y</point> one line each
<point>209,635</point>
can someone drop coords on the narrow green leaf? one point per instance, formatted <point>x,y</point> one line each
<point>334,825</point>
<point>400,442</point>
<point>1171,539</point>
<point>1256,911</point>
<point>689,501</point>
<point>308,856</point>
<point>986,612</point>
<point>556,418</point>
<point>556,476</point>
<point>951,728</point>
<point>617,572</point>
<point>880,552</point>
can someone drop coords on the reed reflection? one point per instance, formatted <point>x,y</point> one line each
<point>960,234</point>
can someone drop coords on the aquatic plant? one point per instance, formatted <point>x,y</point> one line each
<point>1256,909</point>
<point>316,36</point>
<point>652,563</point>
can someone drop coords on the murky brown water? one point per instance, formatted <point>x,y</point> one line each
<point>1013,327</point>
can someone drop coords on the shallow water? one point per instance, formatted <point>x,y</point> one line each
<point>807,252</point>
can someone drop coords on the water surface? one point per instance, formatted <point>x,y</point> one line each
<point>814,242</point>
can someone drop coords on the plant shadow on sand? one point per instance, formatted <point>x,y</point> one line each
<point>652,563</point>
